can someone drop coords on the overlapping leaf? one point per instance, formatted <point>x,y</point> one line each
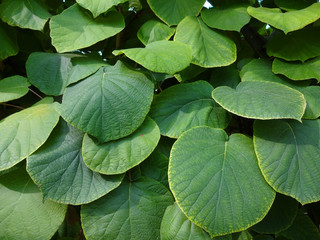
<point>69,35</point>
<point>288,21</point>
<point>32,14</point>
<point>261,100</point>
<point>161,56</point>
<point>118,156</point>
<point>132,211</point>
<point>289,153</point>
<point>184,106</point>
<point>58,169</point>
<point>8,41</point>
<point>99,6</point>
<point>209,47</point>
<point>154,30</point>
<point>13,87</point>
<point>231,17</point>
<point>208,175</point>
<point>24,132</point>
<point>225,76</point>
<point>93,105</point>
<point>311,94</point>
<point>293,5</point>
<point>24,214</point>
<point>52,73</point>
<point>173,11</point>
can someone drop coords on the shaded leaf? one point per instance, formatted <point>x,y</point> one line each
<point>289,5</point>
<point>99,6</point>
<point>13,87</point>
<point>8,41</point>
<point>225,76</point>
<point>311,94</point>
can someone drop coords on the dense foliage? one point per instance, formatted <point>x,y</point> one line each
<point>159,119</point>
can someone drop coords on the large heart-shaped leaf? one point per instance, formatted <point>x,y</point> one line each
<point>261,100</point>
<point>69,35</point>
<point>58,169</point>
<point>298,71</point>
<point>154,30</point>
<point>92,105</point>
<point>24,214</point>
<point>13,87</point>
<point>161,56</point>
<point>208,175</point>
<point>118,156</point>
<point>8,41</point>
<point>132,211</point>
<point>32,14</point>
<point>288,21</point>
<point>289,157</point>
<point>173,11</point>
<point>209,47</point>
<point>175,225</point>
<point>280,216</point>
<point>99,6</point>
<point>24,132</point>
<point>184,106</point>
<point>299,45</point>
<point>231,17</point>
<point>51,73</point>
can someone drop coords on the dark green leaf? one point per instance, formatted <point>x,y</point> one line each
<point>8,41</point>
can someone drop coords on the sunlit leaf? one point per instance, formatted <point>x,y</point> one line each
<point>13,87</point>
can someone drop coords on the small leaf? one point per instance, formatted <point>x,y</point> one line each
<point>261,100</point>
<point>288,21</point>
<point>24,214</point>
<point>134,210</point>
<point>184,106</point>
<point>161,56</point>
<point>175,225</point>
<point>118,156</point>
<point>298,71</point>
<point>58,169</point>
<point>299,45</point>
<point>154,30</point>
<point>208,175</point>
<point>99,6</point>
<point>230,17</point>
<point>92,105</point>
<point>8,41</point>
<point>289,157</point>
<point>32,14</point>
<point>69,35</point>
<point>22,133</point>
<point>13,87</point>
<point>173,11</point>
<point>209,47</point>
<point>281,215</point>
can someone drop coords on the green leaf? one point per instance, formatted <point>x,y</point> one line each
<point>13,87</point>
<point>8,41</point>
<point>22,133</point>
<point>190,73</point>
<point>289,157</point>
<point>281,215</point>
<point>92,105</point>
<point>154,30</point>
<point>302,229</point>
<point>24,214</point>
<point>290,5</point>
<point>32,14</point>
<point>96,7</point>
<point>244,235</point>
<point>261,100</point>
<point>132,211</point>
<point>184,106</point>
<point>300,45</point>
<point>161,56</point>
<point>230,17</point>
<point>298,71</point>
<point>208,175</point>
<point>311,94</point>
<point>118,156</point>
<point>288,21</point>
<point>51,73</point>
<point>69,35</point>
<point>58,169</point>
<point>176,226</point>
<point>225,76</point>
<point>209,47</point>
<point>173,11</point>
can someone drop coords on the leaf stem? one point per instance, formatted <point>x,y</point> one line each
<point>35,93</point>
<point>11,105</point>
